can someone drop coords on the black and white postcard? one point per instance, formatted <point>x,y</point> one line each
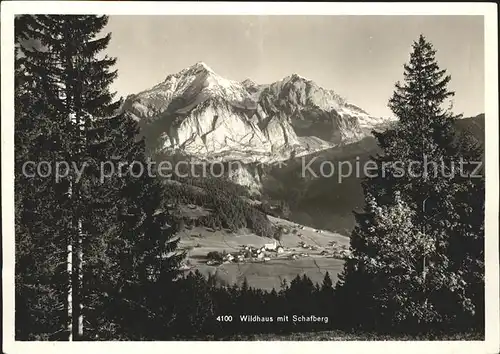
<point>250,176</point>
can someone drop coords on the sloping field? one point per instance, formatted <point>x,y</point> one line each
<point>265,274</point>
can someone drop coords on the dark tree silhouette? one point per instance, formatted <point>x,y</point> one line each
<point>406,271</point>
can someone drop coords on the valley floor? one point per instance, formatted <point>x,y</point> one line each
<point>314,261</point>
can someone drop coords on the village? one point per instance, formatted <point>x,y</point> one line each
<point>274,250</point>
<point>264,261</point>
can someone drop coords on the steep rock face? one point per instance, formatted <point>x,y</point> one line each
<point>280,133</point>
<point>248,177</point>
<point>313,111</point>
<point>202,114</point>
<point>214,127</point>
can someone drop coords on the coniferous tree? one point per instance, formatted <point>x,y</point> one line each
<point>398,285</point>
<point>420,161</point>
<point>75,93</point>
<point>119,239</point>
<point>138,260</point>
<point>467,249</point>
<point>40,216</point>
<point>325,297</point>
<point>194,313</point>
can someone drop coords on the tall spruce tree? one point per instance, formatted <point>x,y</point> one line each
<point>72,83</point>
<point>135,262</point>
<point>114,234</point>
<point>40,217</point>
<point>420,172</point>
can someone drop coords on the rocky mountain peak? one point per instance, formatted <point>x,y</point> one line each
<point>200,67</point>
<point>295,77</point>
<point>248,83</point>
<point>205,115</point>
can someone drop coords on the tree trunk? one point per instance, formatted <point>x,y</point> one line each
<point>70,287</point>
<point>75,289</point>
<point>77,254</point>
<point>80,279</point>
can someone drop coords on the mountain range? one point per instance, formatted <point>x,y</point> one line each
<point>201,114</point>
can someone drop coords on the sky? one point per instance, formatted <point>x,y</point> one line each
<point>359,57</point>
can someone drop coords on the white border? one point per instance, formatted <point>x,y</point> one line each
<point>488,10</point>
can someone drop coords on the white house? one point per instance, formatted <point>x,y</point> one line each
<point>271,246</point>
